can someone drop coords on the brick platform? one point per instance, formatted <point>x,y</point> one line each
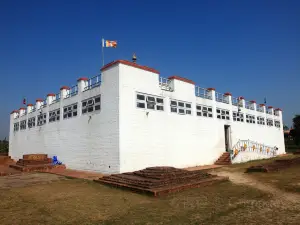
<point>277,165</point>
<point>158,181</point>
<point>36,162</point>
<point>5,160</point>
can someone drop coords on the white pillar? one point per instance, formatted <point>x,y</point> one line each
<point>64,91</point>
<point>38,103</point>
<point>211,93</point>
<point>82,83</point>
<point>253,104</point>
<point>22,111</point>
<point>271,110</point>
<point>242,102</point>
<point>14,114</point>
<point>50,98</point>
<point>29,108</point>
<point>263,106</point>
<point>228,97</point>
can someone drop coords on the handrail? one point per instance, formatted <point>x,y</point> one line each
<point>251,146</point>
<point>72,92</point>
<point>202,92</point>
<point>57,98</point>
<point>221,98</point>
<point>93,82</point>
<point>164,84</point>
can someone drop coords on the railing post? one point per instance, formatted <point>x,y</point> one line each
<point>82,83</point>
<point>228,98</point>
<point>64,91</point>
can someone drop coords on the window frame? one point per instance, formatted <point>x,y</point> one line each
<point>70,111</point>
<point>43,117</point>
<point>158,106</point>
<point>181,106</point>
<point>31,121</point>
<point>201,111</point>
<point>237,118</point>
<point>85,108</point>
<point>54,115</point>
<point>16,126</point>
<point>220,114</point>
<point>250,117</point>
<point>260,120</point>
<point>276,122</point>
<point>270,124</point>
<point>23,124</point>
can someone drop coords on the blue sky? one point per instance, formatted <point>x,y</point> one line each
<point>249,48</point>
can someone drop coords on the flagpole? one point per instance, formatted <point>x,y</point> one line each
<point>102,51</point>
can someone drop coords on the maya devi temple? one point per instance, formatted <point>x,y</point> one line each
<point>129,118</point>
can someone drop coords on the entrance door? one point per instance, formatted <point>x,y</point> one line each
<point>227,137</point>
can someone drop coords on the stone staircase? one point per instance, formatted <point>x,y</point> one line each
<point>224,159</point>
<point>160,180</point>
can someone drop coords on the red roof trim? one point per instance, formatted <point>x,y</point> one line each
<point>278,109</point>
<point>181,79</point>
<point>51,94</point>
<point>253,101</point>
<point>125,62</point>
<point>30,104</point>
<point>227,94</point>
<point>22,109</point>
<point>241,97</point>
<point>270,107</point>
<point>262,105</point>
<point>64,88</point>
<point>82,78</point>
<point>14,111</point>
<point>211,89</point>
<point>39,100</point>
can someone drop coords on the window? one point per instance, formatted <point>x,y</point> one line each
<point>277,123</point>
<point>31,122</point>
<point>269,122</point>
<point>54,115</point>
<point>70,111</point>
<point>223,114</point>
<point>150,102</point>
<point>23,125</point>
<point>250,118</point>
<point>91,105</point>
<point>16,126</point>
<point>181,107</point>
<point>238,116</point>
<point>261,120</point>
<point>41,119</point>
<point>203,110</point>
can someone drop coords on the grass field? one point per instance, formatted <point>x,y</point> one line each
<point>48,199</point>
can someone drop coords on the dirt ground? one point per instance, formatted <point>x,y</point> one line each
<point>40,198</point>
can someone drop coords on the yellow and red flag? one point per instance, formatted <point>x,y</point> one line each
<point>107,43</point>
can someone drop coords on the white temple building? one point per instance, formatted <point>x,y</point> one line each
<point>129,118</point>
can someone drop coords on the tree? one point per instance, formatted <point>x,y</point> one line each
<point>285,127</point>
<point>296,125</point>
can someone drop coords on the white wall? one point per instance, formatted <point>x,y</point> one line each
<point>86,142</point>
<point>166,139</point>
<point>122,137</point>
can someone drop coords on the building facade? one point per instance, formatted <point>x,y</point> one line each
<point>132,118</point>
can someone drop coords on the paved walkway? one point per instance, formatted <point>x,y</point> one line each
<point>77,174</point>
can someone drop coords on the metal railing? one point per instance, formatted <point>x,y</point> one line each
<point>202,92</point>
<point>164,84</point>
<point>247,105</point>
<point>269,112</point>
<point>93,82</point>
<point>57,98</point>
<point>44,104</point>
<point>259,109</point>
<point>252,146</point>
<point>73,91</point>
<point>221,98</point>
<point>235,101</point>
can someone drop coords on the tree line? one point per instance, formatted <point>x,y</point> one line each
<point>3,145</point>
